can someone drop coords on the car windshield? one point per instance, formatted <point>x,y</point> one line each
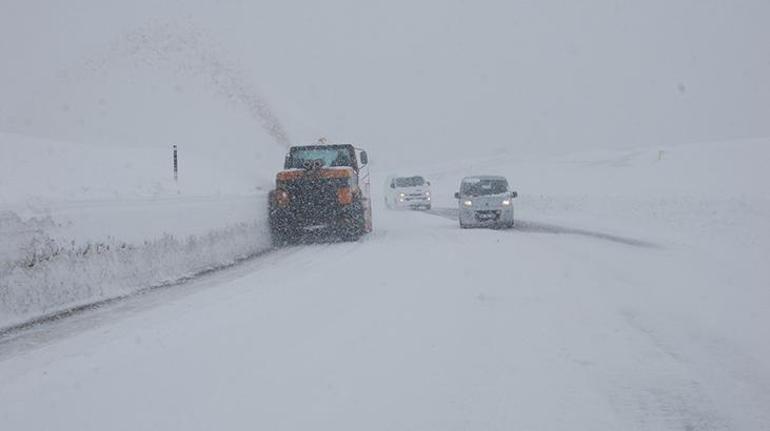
<point>410,181</point>
<point>481,187</point>
<point>330,156</point>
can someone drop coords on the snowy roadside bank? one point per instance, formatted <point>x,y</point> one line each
<point>41,275</point>
<point>90,224</point>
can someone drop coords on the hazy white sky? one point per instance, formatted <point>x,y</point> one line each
<point>401,77</point>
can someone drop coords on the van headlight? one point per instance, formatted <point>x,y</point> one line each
<point>506,202</point>
<point>467,204</point>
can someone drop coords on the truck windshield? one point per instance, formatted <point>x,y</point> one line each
<point>328,156</point>
<point>481,187</point>
<point>410,181</point>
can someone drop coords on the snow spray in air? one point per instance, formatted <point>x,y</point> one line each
<point>186,49</point>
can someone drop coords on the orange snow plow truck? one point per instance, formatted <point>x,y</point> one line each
<point>323,189</point>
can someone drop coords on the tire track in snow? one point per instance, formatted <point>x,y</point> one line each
<point>41,326</point>
<point>656,398</point>
<point>539,227</point>
<point>663,399</point>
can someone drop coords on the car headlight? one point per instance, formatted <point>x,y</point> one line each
<point>402,195</point>
<point>427,194</point>
<point>506,202</point>
<point>467,203</point>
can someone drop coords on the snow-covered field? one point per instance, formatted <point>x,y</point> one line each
<point>632,295</point>
<point>85,223</point>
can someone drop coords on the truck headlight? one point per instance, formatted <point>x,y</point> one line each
<point>506,202</point>
<point>345,195</point>
<point>282,198</point>
<point>467,204</point>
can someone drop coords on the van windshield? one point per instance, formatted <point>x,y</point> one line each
<point>410,181</point>
<point>482,187</point>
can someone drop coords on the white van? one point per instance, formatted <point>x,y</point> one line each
<point>407,192</point>
<point>485,201</point>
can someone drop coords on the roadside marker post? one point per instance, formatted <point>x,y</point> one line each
<point>176,165</point>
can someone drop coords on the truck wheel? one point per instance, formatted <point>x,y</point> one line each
<point>354,226</point>
<point>280,237</point>
<point>281,232</point>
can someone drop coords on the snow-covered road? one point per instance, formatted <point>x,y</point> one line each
<point>419,326</point>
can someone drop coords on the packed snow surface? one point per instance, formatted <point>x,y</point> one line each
<point>632,295</point>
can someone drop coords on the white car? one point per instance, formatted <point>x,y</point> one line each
<point>485,201</point>
<point>407,192</point>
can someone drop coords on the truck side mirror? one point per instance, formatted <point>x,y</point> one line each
<point>392,185</point>
<point>364,158</point>
<point>457,195</point>
<point>514,194</point>
<point>428,182</point>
